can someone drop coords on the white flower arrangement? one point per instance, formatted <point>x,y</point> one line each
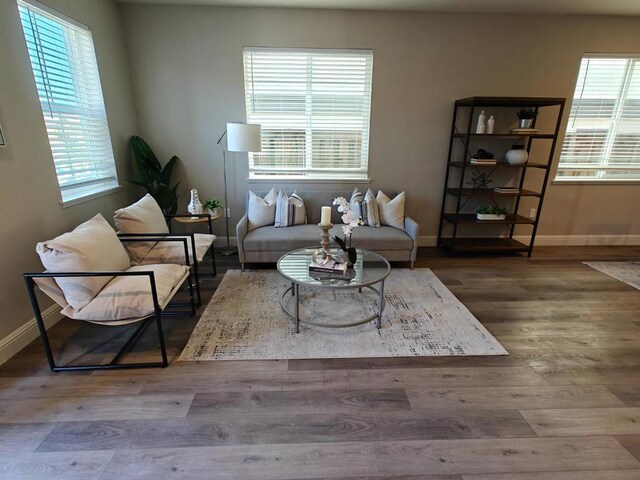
<point>349,218</point>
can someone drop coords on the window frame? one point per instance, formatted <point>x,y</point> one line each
<point>311,173</point>
<point>612,133</point>
<point>78,191</point>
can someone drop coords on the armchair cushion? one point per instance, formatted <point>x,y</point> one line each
<point>391,211</point>
<point>92,246</point>
<point>129,298</point>
<point>173,252</point>
<point>144,216</point>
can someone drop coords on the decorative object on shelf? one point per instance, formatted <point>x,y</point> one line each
<point>490,124</point>
<point>479,180</point>
<point>351,221</point>
<point>517,155</point>
<point>211,205</point>
<point>153,177</point>
<point>482,154</point>
<point>482,122</point>
<point>491,212</point>
<point>241,137</point>
<point>526,117</point>
<point>195,205</point>
<point>511,190</point>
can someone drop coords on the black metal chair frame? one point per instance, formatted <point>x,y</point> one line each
<point>157,315</point>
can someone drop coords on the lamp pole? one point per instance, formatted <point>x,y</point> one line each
<point>228,250</point>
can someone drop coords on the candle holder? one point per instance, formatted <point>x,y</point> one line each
<point>323,256</point>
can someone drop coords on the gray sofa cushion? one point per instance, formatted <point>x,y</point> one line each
<point>299,236</point>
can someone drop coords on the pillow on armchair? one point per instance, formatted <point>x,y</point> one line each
<point>391,211</point>
<point>144,216</point>
<point>261,211</point>
<point>92,246</point>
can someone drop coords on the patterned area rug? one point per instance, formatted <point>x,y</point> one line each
<point>627,272</point>
<point>244,321</point>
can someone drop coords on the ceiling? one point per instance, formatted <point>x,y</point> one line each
<point>580,7</point>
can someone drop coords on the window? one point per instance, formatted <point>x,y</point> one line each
<point>66,74</point>
<point>602,142</point>
<point>314,108</point>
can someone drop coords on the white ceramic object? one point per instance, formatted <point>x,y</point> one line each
<point>490,216</point>
<point>195,205</point>
<point>482,122</point>
<point>490,124</point>
<point>517,155</point>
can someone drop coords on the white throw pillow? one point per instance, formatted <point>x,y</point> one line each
<point>144,216</point>
<point>261,211</point>
<point>391,211</point>
<point>92,246</point>
<point>290,210</point>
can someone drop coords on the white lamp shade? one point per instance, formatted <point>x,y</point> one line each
<point>244,137</point>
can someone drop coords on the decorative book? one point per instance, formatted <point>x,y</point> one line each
<point>329,267</point>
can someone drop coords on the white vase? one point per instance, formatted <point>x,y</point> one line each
<point>482,122</point>
<point>517,155</point>
<point>195,205</point>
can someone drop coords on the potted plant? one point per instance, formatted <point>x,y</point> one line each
<point>212,205</point>
<point>526,116</point>
<point>351,221</point>
<point>491,212</point>
<point>149,174</point>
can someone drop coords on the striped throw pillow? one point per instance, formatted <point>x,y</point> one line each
<point>290,210</point>
<point>370,212</point>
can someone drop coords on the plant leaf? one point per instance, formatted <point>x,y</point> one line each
<point>142,150</point>
<point>341,243</point>
<point>168,170</point>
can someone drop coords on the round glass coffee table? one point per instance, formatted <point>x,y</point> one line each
<point>370,271</point>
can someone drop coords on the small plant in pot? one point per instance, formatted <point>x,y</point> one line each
<point>212,205</point>
<point>526,117</point>
<point>351,220</point>
<point>491,212</point>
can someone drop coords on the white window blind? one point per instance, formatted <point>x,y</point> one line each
<point>602,142</point>
<point>66,74</point>
<point>314,107</point>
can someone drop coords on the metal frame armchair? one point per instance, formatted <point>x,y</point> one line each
<point>159,310</point>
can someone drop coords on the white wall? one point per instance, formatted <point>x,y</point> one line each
<point>30,210</point>
<point>187,70</point>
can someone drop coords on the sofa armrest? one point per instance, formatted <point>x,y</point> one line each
<point>241,231</point>
<point>413,230</point>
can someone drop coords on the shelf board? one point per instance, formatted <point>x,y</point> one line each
<point>509,101</point>
<point>512,219</point>
<point>483,244</point>
<point>489,191</point>
<point>505,135</point>
<point>502,164</point>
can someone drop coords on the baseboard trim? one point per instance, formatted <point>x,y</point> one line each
<point>582,240</point>
<point>558,240</point>
<point>27,333</point>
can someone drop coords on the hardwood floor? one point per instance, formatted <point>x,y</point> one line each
<point>564,405</point>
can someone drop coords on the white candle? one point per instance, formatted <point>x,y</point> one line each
<point>325,218</point>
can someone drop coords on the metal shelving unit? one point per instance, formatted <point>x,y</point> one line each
<point>452,216</point>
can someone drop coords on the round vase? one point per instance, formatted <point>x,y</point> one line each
<point>517,155</point>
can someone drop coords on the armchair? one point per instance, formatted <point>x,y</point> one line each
<point>105,289</point>
<point>145,218</point>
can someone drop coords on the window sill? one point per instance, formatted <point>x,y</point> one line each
<point>90,196</point>
<point>276,179</point>
<point>595,182</point>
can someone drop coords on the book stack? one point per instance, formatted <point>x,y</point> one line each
<point>524,131</point>
<point>506,190</point>
<point>483,161</point>
<point>332,267</point>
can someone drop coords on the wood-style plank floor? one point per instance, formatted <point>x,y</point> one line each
<point>564,405</point>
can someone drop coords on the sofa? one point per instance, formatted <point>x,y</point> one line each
<point>267,244</point>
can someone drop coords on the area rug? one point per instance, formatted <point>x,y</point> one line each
<point>244,321</point>
<point>627,272</point>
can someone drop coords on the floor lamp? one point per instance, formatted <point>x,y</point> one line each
<point>241,137</point>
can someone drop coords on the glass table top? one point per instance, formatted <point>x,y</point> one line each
<point>370,268</point>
